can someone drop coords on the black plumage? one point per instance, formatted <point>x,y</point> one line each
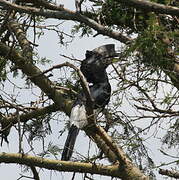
<point>94,65</point>
<point>94,69</point>
<point>70,142</point>
<point>101,95</point>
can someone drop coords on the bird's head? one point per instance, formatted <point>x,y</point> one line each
<point>94,65</point>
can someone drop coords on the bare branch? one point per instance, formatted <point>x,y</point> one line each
<point>174,113</point>
<point>114,153</point>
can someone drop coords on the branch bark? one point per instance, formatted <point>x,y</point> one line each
<point>174,174</point>
<point>58,165</point>
<point>21,37</point>
<point>115,153</point>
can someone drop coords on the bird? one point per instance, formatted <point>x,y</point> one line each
<point>100,93</point>
<point>96,61</point>
<point>93,68</point>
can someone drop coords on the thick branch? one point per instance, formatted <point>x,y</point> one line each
<point>142,4</point>
<point>67,15</point>
<point>174,174</point>
<point>151,6</point>
<point>60,165</point>
<point>20,35</point>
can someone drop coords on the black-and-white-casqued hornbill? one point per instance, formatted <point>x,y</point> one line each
<point>94,69</point>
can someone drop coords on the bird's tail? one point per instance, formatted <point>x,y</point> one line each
<point>70,142</point>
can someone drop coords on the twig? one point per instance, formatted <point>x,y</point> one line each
<point>166,164</point>
<point>19,132</point>
<point>166,154</point>
<point>35,173</point>
<point>73,59</point>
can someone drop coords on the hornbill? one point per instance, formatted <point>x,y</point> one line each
<point>94,69</point>
<point>96,62</point>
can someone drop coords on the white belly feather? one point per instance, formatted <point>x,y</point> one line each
<point>78,116</point>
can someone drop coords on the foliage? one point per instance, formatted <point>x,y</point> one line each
<point>127,19</point>
<point>172,136</point>
<point>85,30</point>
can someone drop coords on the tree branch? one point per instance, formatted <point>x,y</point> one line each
<point>67,15</point>
<point>174,174</point>
<point>35,173</point>
<point>21,37</point>
<point>29,115</point>
<point>114,153</point>
<point>174,113</point>
<point>58,165</point>
<point>151,6</point>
